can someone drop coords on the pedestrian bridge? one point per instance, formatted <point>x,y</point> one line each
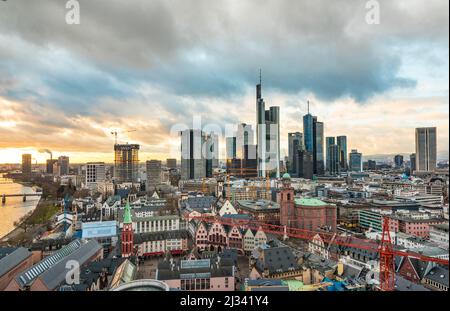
<point>23,195</point>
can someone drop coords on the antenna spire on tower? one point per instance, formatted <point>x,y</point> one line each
<point>308,106</point>
<point>260,76</point>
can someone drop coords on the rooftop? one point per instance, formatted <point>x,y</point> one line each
<point>310,202</point>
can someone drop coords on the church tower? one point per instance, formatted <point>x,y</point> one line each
<point>127,232</point>
<point>285,197</point>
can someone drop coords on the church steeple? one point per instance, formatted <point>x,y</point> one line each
<point>127,236</point>
<point>127,214</point>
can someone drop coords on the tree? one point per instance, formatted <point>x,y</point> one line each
<point>24,222</point>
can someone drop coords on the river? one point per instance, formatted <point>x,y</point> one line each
<point>14,207</point>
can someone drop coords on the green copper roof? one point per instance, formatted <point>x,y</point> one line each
<point>310,202</point>
<point>286,176</point>
<point>127,214</point>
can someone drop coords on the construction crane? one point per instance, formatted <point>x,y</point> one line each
<point>115,134</point>
<point>384,248</point>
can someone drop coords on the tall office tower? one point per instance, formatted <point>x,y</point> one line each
<point>50,164</point>
<point>295,141</point>
<point>211,153</point>
<point>342,144</point>
<point>171,164</point>
<point>333,166</point>
<point>26,164</point>
<point>355,164</point>
<point>249,162</point>
<point>426,153</point>
<point>398,161</point>
<point>153,168</point>
<point>313,132</point>
<point>244,137</point>
<point>329,141</point>
<point>193,159</point>
<point>304,164</point>
<point>63,165</point>
<point>95,173</point>
<point>231,148</point>
<point>268,136</point>
<point>126,163</point>
<point>412,162</point>
<point>318,155</point>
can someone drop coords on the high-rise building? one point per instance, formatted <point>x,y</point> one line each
<point>355,164</point>
<point>313,132</point>
<point>342,144</point>
<point>171,164</point>
<point>332,160</point>
<point>244,137</point>
<point>193,159</point>
<point>426,149</point>
<point>412,162</point>
<point>231,148</point>
<point>126,162</point>
<point>304,164</point>
<point>268,136</point>
<point>50,164</point>
<point>153,169</point>
<point>95,173</point>
<point>26,164</point>
<point>398,161</point>
<point>295,141</point>
<point>212,153</point>
<point>63,165</point>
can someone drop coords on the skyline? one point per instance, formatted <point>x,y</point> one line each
<point>66,87</point>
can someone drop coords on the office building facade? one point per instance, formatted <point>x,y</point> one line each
<point>355,163</point>
<point>26,164</point>
<point>295,141</point>
<point>268,136</point>
<point>153,170</point>
<point>426,149</point>
<point>126,163</point>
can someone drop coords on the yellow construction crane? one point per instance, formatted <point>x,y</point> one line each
<point>115,134</point>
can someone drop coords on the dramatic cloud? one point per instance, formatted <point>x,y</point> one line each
<point>151,64</point>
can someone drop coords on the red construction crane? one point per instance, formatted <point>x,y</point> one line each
<point>384,248</point>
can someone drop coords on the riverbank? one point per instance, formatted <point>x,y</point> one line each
<point>31,224</point>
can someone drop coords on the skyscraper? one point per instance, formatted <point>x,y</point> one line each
<point>244,137</point>
<point>63,165</point>
<point>412,162</point>
<point>313,132</point>
<point>332,160</point>
<point>50,164</point>
<point>342,144</point>
<point>153,169</point>
<point>126,162</point>
<point>398,161</point>
<point>355,164</point>
<point>231,148</point>
<point>295,143</point>
<point>193,159</point>
<point>426,149</point>
<point>304,164</point>
<point>26,164</point>
<point>268,135</point>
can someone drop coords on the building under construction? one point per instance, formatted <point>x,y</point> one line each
<point>126,163</point>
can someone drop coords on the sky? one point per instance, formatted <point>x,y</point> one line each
<point>150,65</point>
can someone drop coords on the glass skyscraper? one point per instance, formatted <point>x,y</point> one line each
<point>342,144</point>
<point>313,132</point>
